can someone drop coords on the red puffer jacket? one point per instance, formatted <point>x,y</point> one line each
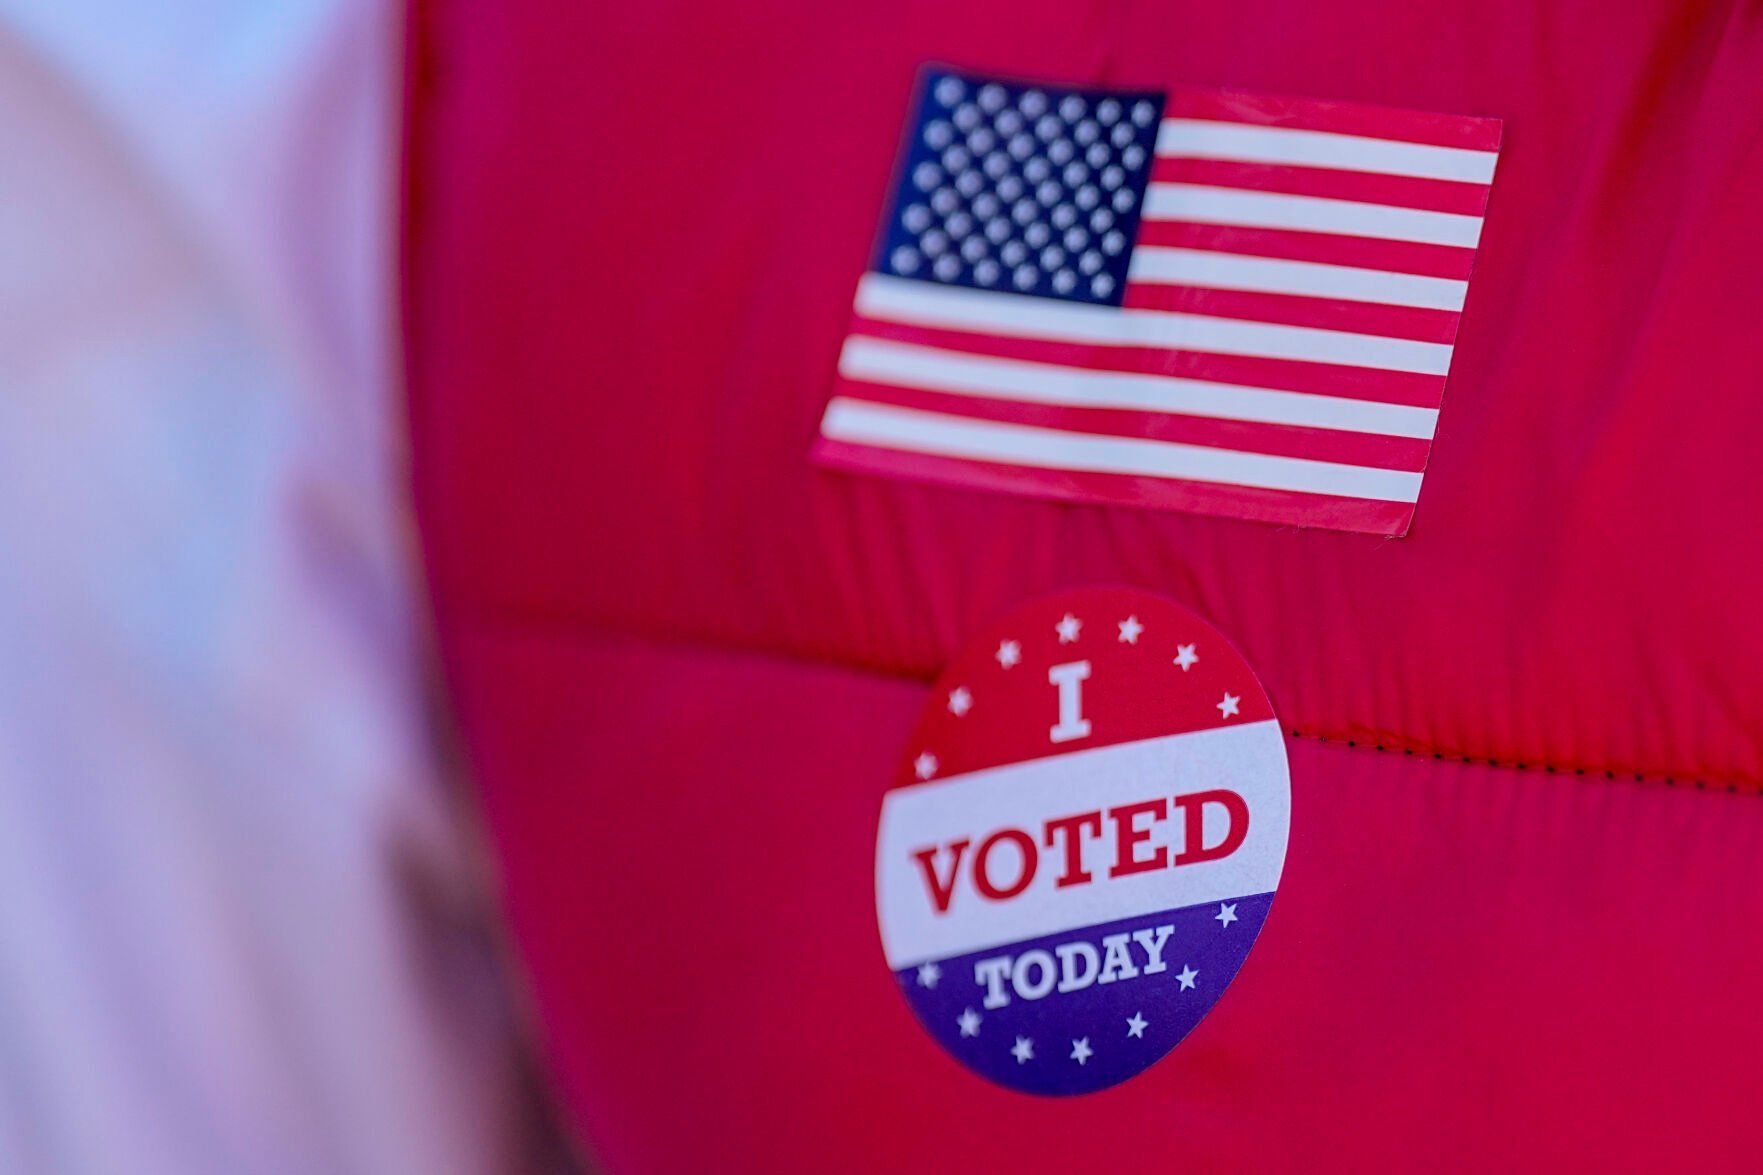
<point>1518,916</point>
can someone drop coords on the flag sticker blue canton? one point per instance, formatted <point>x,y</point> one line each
<point>1206,301</point>
<point>1013,187</point>
<point>1082,841</point>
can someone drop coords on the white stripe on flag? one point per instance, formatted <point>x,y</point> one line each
<point>1194,138</point>
<point>934,369</point>
<point>884,426</point>
<point>1316,214</point>
<point>896,299</point>
<point>1268,275</point>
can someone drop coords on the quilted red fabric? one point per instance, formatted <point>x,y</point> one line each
<point>1518,915</point>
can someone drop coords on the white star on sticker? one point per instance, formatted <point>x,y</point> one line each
<point>960,701</point>
<point>1130,628</point>
<point>1136,1025</point>
<point>1081,1050</point>
<point>925,765</point>
<point>928,974</point>
<point>1023,1049</point>
<point>969,1021</point>
<point>1009,653</point>
<point>1068,628</point>
<point>1228,707</point>
<point>1227,913</point>
<point>1187,976</point>
<point>1185,657</point>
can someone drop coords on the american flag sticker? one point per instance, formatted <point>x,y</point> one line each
<point>1190,300</point>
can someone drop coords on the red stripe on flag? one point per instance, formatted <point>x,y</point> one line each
<point>1315,114</point>
<point>1325,379</point>
<point>1464,199</point>
<point>1280,440</point>
<point>1327,248</point>
<point>1277,506</point>
<point>1366,318</point>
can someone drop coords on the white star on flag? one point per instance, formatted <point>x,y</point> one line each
<point>928,974</point>
<point>1068,628</point>
<point>1130,628</point>
<point>1227,913</point>
<point>1009,653</point>
<point>1185,657</point>
<point>925,765</point>
<point>1186,978</point>
<point>1228,707</point>
<point>1023,1049</point>
<point>1135,1026</point>
<point>969,1021</point>
<point>1081,1050</point>
<point>960,701</point>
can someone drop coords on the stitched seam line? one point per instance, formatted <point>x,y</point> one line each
<point>535,626</point>
<point>1534,768</point>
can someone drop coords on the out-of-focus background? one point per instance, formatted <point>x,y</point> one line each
<point>244,919</point>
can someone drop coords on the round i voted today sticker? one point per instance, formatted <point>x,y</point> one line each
<point>1083,839</point>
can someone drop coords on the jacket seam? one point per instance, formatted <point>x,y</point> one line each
<point>1674,781</point>
<point>501,622</point>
